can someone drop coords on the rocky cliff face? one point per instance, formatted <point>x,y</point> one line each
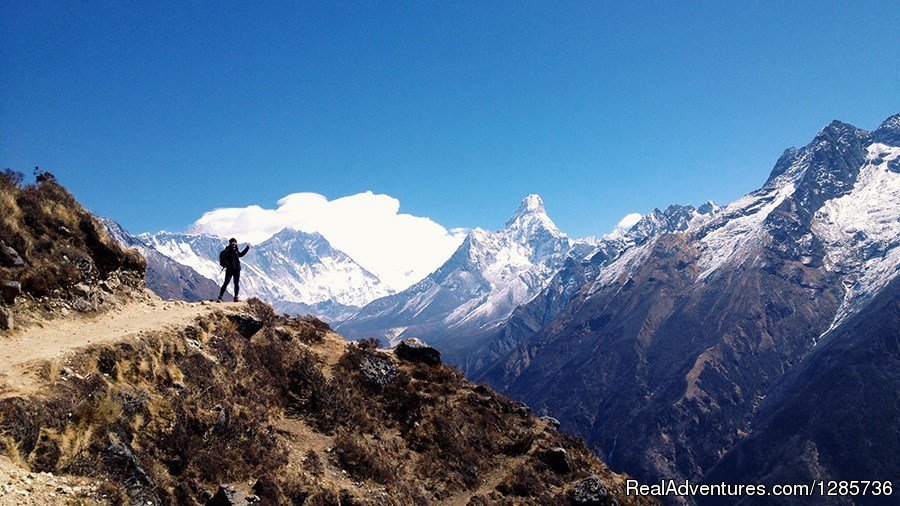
<point>835,412</point>
<point>663,357</point>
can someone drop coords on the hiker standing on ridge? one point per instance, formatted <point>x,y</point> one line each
<point>230,259</point>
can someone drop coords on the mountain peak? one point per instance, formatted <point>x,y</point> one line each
<point>290,233</point>
<point>531,204</point>
<point>531,208</point>
<point>889,131</point>
<point>837,139</point>
<point>531,219</point>
<point>892,122</point>
<point>532,201</point>
<point>708,207</point>
<point>839,132</point>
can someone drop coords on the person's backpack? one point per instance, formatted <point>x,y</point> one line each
<point>222,259</point>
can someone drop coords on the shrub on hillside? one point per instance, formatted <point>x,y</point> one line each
<point>172,416</point>
<point>61,243</point>
<point>361,458</point>
<point>369,343</point>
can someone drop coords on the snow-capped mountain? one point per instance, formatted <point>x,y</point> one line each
<point>197,251</point>
<point>675,218</point>
<point>290,269</point>
<point>860,229</point>
<point>297,266</point>
<point>164,276</point>
<point>688,344</point>
<point>489,275</point>
<point>834,203</point>
<point>577,271</point>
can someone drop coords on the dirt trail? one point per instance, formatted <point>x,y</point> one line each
<point>20,487</point>
<point>21,353</point>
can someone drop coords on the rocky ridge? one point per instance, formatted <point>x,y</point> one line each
<point>478,287</point>
<point>677,344</point>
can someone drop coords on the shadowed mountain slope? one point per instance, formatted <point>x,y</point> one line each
<point>662,358</point>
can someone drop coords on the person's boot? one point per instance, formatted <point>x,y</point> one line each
<point>236,299</point>
<point>219,299</point>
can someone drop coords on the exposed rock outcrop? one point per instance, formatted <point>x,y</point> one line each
<point>378,370</point>
<point>10,257</point>
<point>229,495</point>
<point>416,350</point>
<point>557,458</point>
<point>592,491</point>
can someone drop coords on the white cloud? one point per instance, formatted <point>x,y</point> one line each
<point>629,220</point>
<point>399,248</point>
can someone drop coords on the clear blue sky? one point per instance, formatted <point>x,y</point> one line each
<point>152,113</point>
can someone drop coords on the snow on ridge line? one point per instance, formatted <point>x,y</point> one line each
<point>275,274</point>
<point>735,239</point>
<point>733,235</point>
<point>861,230</point>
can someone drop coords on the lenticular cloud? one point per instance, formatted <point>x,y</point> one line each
<point>398,248</point>
<point>629,220</point>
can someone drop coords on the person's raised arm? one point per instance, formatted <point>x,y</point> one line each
<point>244,252</point>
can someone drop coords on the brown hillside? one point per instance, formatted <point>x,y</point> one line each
<point>55,257</point>
<point>287,410</point>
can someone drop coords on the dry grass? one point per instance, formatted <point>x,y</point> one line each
<point>208,406</point>
<point>59,240</point>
